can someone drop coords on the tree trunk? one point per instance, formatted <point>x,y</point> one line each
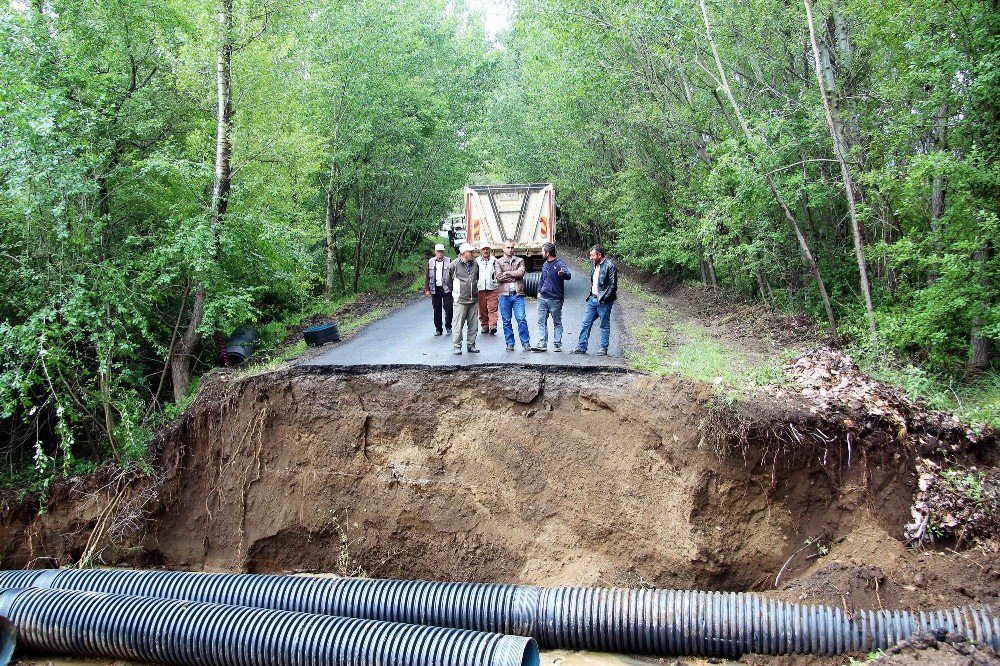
<point>979,346</point>
<point>838,149</point>
<point>183,357</point>
<point>181,361</point>
<point>803,245</point>
<point>334,206</point>
<point>760,285</point>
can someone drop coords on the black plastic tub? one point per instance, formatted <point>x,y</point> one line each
<point>241,345</point>
<point>320,335</point>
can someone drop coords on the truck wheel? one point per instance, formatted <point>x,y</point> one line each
<point>531,282</point>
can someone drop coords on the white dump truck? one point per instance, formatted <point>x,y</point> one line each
<point>525,214</point>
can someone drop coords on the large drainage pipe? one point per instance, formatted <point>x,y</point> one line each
<point>655,622</point>
<point>187,633</point>
<point>7,642</point>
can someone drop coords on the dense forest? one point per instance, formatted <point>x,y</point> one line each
<point>171,170</point>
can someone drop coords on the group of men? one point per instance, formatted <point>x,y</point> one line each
<point>491,289</point>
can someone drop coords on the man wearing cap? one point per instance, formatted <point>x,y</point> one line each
<point>510,276</point>
<point>438,288</point>
<point>488,295</point>
<point>463,276</point>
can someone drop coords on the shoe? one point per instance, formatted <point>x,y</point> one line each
<point>601,352</point>
<point>539,348</point>
<point>578,351</point>
<point>484,330</point>
<point>510,347</point>
<point>526,347</point>
<point>472,350</point>
<point>448,331</point>
<point>558,347</point>
<point>437,332</point>
<point>493,331</point>
<point>458,350</point>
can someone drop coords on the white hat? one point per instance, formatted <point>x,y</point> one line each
<point>465,247</point>
<point>485,243</point>
<point>439,247</point>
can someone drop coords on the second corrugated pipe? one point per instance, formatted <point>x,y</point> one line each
<point>636,621</point>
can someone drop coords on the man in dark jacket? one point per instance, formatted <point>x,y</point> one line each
<point>550,298</point>
<point>603,292</point>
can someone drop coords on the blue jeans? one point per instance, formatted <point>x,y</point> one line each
<point>596,309</point>
<point>514,304</point>
<point>546,307</point>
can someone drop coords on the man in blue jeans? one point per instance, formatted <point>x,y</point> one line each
<point>550,298</point>
<point>603,292</point>
<point>510,277</point>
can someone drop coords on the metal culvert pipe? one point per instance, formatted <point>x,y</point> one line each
<point>169,631</point>
<point>654,622</point>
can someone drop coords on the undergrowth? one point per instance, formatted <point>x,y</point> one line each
<point>974,400</point>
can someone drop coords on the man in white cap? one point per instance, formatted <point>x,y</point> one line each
<point>436,286</point>
<point>489,296</point>
<point>463,276</point>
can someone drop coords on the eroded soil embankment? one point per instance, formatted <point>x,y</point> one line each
<point>506,474</point>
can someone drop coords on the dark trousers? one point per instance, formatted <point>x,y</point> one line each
<point>441,300</point>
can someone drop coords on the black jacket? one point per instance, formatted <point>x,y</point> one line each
<point>607,282</point>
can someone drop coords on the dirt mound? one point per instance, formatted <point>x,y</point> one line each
<point>939,649</point>
<point>524,475</point>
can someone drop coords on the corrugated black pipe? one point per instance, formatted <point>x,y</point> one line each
<point>7,641</point>
<point>656,622</point>
<point>187,633</point>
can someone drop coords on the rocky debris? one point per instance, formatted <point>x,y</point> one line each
<point>939,648</point>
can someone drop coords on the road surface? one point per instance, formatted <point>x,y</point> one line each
<point>407,337</point>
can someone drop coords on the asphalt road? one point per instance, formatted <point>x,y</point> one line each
<point>407,337</point>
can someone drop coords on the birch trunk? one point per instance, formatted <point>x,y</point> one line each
<point>803,245</point>
<point>183,358</point>
<point>838,149</point>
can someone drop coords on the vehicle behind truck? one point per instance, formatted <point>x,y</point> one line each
<point>522,213</point>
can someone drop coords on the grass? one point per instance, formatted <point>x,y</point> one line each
<point>670,347</point>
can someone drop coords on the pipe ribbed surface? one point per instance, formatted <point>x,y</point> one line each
<point>7,642</point>
<point>655,622</point>
<point>189,633</point>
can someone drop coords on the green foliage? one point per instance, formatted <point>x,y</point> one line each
<point>621,105</point>
<point>107,123</point>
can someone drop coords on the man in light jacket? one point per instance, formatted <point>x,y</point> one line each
<point>463,276</point>
<point>510,277</point>
<point>488,294</point>
<point>436,286</point>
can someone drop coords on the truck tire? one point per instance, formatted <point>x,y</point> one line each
<point>531,282</point>
<point>318,335</point>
